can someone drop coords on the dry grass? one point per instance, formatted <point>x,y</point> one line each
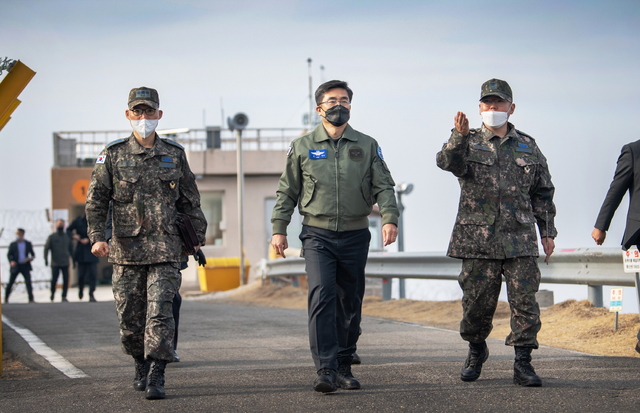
<point>572,325</point>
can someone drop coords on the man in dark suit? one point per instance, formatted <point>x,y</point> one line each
<point>20,256</point>
<point>87,262</point>
<point>626,178</point>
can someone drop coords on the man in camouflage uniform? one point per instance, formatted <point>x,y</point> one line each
<point>148,181</point>
<point>506,189</point>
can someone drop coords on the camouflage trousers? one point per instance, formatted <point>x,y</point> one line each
<point>481,279</point>
<point>144,296</point>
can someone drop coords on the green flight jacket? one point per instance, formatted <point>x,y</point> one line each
<point>334,184</point>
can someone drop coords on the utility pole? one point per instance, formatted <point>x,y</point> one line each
<point>310,96</point>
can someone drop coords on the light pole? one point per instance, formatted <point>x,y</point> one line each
<point>238,123</point>
<point>310,96</point>
<point>402,188</point>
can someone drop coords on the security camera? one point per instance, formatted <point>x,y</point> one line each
<point>239,121</point>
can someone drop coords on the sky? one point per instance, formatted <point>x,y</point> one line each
<point>572,65</point>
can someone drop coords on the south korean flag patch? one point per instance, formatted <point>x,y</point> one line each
<point>101,159</point>
<point>289,150</point>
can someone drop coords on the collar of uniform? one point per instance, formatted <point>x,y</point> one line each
<point>159,146</point>
<point>320,134</point>
<point>487,134</point>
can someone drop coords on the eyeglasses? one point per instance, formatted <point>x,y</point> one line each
<point>147,111</point>
<point>333,102</point>
<point>494,101</point>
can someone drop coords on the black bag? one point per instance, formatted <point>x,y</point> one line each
<point>189,238</point>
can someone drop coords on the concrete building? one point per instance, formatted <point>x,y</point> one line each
<point>212,156</point>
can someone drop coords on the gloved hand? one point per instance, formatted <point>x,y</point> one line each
<point>199,256</point>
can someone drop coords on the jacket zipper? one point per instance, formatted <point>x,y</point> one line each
<point>337,148</point>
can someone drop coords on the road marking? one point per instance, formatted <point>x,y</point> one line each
<point>52,356</point>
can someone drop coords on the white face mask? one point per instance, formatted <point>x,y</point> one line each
<point>494,119</point>
<point>144,127</point>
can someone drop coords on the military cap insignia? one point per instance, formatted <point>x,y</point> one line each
<point>143,94</point>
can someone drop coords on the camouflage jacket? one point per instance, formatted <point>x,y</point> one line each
<point>334,184</point>
<point>148,187</point>
<point>505,189</point>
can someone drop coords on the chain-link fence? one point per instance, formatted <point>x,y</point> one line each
<point>37,228</point>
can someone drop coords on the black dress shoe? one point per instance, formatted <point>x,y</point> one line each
<point>344,378</point>
<point>326,381</point>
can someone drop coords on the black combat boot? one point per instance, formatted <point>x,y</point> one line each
<point>478,354</point>
<point>326,381</point>
<point>523,373</point>
<point>142,369</point>
<point>155,382</point>
<point>344,378</point>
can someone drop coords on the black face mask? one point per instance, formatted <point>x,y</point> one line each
<point>337,115</point>
<point>60,230</point>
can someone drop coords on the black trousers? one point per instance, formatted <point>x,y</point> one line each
<point>335,263</point>
<point>87,272</point>
<point>55,273</point>
<point>13,274</point>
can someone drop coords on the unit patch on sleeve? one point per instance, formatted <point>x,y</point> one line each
<point>101,158</point>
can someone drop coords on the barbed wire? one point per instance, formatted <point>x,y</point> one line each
<point>6,64</point>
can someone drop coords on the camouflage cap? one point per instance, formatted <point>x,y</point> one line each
<point>496,87</point>
<point>144,96</point>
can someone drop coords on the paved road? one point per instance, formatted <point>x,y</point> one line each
<point>253,359</point>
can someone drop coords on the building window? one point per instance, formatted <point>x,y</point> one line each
<point>211,203</point>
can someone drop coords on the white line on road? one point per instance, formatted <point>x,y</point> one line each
<point>52,356</point>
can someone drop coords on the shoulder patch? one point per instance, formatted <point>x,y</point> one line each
<point>524,134</point>
<point>380,153</point>
<point>117,141</point>
<point>174,143</point>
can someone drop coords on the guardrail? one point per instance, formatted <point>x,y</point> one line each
<point>594,267</point>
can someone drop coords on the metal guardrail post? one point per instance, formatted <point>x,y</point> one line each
<point>386,289</point>
<point>595,295</point>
